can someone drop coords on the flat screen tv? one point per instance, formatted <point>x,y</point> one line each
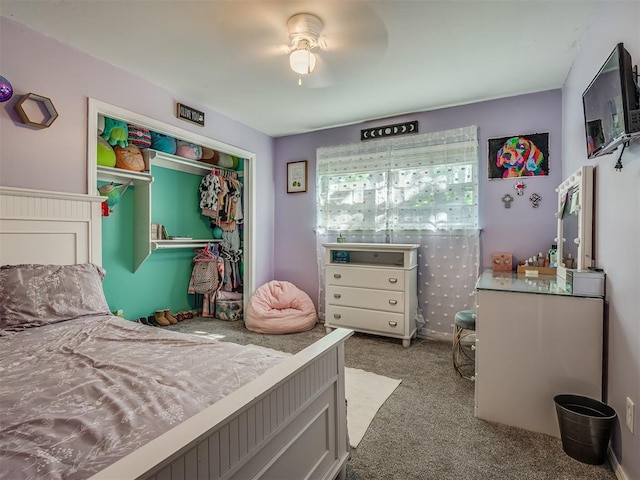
<point>611,104</point>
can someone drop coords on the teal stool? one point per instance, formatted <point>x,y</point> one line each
<point>464,355</point>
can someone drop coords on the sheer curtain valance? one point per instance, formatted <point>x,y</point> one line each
<point>408,190</point>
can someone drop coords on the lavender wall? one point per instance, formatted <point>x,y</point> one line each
<point>617,213</point>
<point>521,229</point>
<point>55,158</point>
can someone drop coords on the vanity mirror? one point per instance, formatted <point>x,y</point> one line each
<point>575,222</point>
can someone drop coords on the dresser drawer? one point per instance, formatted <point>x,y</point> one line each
<point>365,320</point>
<point>386,300</point>
<point>379,278</point>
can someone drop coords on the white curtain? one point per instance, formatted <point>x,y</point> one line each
<point>420,189</point>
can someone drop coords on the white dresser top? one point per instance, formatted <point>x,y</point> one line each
<point>372,246</point>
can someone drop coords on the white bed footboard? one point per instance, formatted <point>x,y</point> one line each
<point>288,424</point>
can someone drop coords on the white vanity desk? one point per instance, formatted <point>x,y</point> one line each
<point>534,340</point>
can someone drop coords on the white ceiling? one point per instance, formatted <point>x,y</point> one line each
<point>382,58</point>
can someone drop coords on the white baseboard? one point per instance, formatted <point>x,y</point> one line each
<point>615,465</point>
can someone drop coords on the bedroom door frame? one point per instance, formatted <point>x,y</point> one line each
<point>96,107</point>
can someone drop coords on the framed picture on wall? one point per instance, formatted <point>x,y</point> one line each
<point>297,176</point>
<point>524,155</point>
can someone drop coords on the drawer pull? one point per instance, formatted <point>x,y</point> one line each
<point>337,275</point>
<point>393,280</point>
<point>337,295</point>
<point>393,324</point>
<point>337,315</point>
<point>393,302</point>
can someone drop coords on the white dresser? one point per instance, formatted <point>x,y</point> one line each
<point>534,340</point>
<point>372,288</point>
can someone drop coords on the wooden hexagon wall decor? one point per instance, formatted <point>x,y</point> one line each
<point>44,106</point>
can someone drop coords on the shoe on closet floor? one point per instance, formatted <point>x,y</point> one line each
<point>146,321</point>
<point>168,316</point>
<point>160,319</point>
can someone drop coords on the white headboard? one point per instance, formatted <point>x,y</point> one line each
<point>38,226</point>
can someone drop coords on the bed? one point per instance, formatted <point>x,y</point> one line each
<point>286,420</point>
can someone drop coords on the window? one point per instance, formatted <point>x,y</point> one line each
<point>423,182</point>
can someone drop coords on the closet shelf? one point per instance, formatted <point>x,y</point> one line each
<point>158,159</point>
<point>155,158</point>
<point>118,175</point>
<point>191,243</point>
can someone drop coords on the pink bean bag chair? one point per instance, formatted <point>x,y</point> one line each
<point>280,307</point>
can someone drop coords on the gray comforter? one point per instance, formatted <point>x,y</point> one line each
<point>78,395</point>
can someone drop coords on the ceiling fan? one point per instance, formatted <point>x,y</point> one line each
<point>304,33</point>
<point>340,42</point>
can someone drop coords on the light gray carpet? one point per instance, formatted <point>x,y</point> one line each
<point>426,429</point>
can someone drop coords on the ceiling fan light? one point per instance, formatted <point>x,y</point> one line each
<point>302,61</point>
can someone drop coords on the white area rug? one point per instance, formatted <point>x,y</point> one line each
<point>366,392</point>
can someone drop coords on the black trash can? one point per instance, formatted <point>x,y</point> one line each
<point>585,427</point>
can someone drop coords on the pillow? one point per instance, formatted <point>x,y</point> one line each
<point>106,155</point>
<point>188,150</point>
<point>227,161</point>
<point>140,137</point>
<point>163,143</point>
<point>209,156</point>
<point>129,158</point>
<point>115,132</point>
<point>36,295</point>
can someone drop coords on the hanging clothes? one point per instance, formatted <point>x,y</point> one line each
<point>231,277</point>
<point>221,198</point>
<point>221,201</point>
